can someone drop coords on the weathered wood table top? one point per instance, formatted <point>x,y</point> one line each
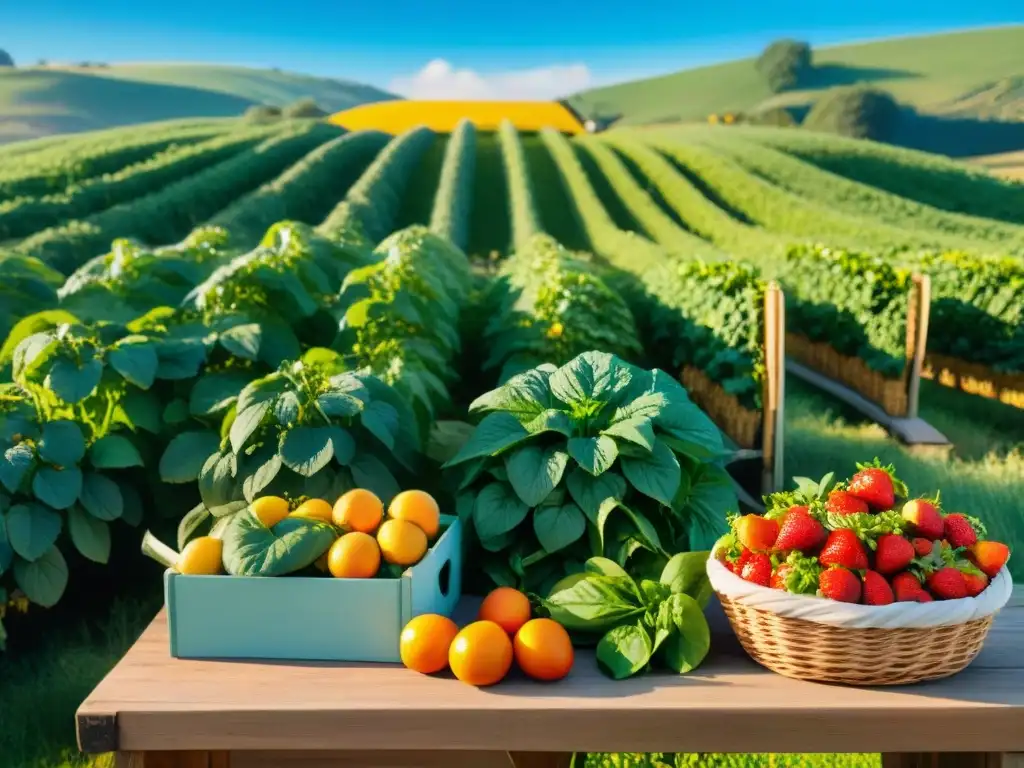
<point>730,704</point>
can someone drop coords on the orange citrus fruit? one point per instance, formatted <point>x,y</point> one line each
<point>401,542</point>
<point>543,649</point>
<point>269,510</point>
<point>481,653</point>
<point>425,641</point>
<point>314,509</point>
<point>358,510</point>
<point>418,507</point>
<point>508,608</point>
<point>354,556</point>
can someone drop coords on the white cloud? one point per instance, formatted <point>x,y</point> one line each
<point>438,79</point>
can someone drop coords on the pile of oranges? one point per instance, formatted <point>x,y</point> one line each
<point>481,653</point>
<point>369,537</point>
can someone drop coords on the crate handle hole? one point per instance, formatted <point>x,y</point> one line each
<point>444,578</point>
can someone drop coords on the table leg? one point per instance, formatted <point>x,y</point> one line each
<point>953,760</point>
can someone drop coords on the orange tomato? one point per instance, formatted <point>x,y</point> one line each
<point>508,608</point>
<point>481,654</point>
<point>358,510</point>
<point>543,649</point>
<point>354,556</point>
<point>425,642</point>
<point>418,507</point>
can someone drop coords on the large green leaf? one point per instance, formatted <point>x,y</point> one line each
<point>44,580</point>
<point>32,529</point>
<point>534,471</point>
<point>214,392</point>
<point>136,360</point>
<point>624,651</point>
<point>16,465</point>
<point>259,470</point>
<point>114,452</point>
<point>594,602</point>
<point>252,549</point>
<point>381,420</point>
<point>90,536</point>
<point>497,511</point>
<point>369,472</point>
<point>687,572</point>
<point>712,496</point>
<point>689,636</point>
<point>218,488</point>
<point>591,492</point>
<point>246,423</point>
<point>59,488</point>
<point>73,383</point>
<point>558,526</point>
<point>62,443</point>
<point>101,497</point>
<point>495,433</point>
<point>525,396</point>
<point>185,455</point>
<point>307,450</point>
<point>657,475</point>
<point>589,377</point>
<point>594,454</point>
<point>242,341</point>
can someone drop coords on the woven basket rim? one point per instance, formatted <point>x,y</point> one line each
<point>819,610</point>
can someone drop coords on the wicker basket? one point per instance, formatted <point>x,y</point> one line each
<point>812,638</point>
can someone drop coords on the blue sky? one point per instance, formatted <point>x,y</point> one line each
<point>487,45</point>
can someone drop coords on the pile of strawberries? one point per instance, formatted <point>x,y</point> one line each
<point>862,541</point>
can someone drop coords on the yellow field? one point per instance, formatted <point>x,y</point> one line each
<point>442,116</point>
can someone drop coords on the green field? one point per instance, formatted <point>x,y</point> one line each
<point>38,101</point>
<point>656,244</point>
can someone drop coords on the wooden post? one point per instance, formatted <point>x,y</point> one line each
<point>917,338</point>
<point>773,395</point>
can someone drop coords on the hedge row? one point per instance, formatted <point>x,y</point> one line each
<point>372,204</point>
<point>697,212</point>
<point>55,168</point>
<point>25,215</point>
<point>306,191</point>
<point>453,203</point>
<point>170,214</point>
<point>522,207</point>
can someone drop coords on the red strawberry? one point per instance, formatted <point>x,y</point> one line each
<point>840,584</point>
<point>893,553</point>
<point>990,556</point>
<point>843,503</point>
<point>924,597</point>
<point>958,531</point>
<point>756,532</point>
<point>907,588</point>
<point>758,570</point>
<point>922,546</point>
<point>876,589</point>
<point>844,548</point>
<point>924,518</point>
<point>800,531</point>
<point>779,577</point>
<point>947,583</point>
<point>873,485</point>
<point>976,583</point>
<point>798,508</point>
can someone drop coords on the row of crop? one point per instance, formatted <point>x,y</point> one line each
<point>73,160</point>
<point>809,181</point>
<point>306,191</point>
<point>453,203</point>
<point>245,388</point>
<point>167,215</point>
<point>371,206</point>
<point>25,215</point>
<point>522,209</point>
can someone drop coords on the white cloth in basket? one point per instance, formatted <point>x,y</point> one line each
<point>893,616</point>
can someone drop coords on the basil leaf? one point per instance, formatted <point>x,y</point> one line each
<point>624,651</point>
<point>688,643</point>
<point>686,573</point>
<point>594,603</point>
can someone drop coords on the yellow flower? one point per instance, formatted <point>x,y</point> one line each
<point>555,331</point>
<point>443,116</point>
<point>712,119</point>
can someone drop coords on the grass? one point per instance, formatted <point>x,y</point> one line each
<point>38,101</point>
<point>933,73</point>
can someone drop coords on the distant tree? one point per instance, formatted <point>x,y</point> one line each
<point>5,59</point>
<point>304,108</point>
<point>777,116</point>
<point>784,63</point>
<point>42,63</point>
<point>262,113</point>
<point>857,111</point>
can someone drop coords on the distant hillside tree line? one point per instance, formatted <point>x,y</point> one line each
<point>5,59</point>
<point>784,64</point>
<point>303,108</point>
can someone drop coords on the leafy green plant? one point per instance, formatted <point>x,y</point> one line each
<point>597,457</point>
<point>551,306</point>
<point>27,285</point>
<point>635,623</point>
<point>711,316</point>
<point>253,549</point>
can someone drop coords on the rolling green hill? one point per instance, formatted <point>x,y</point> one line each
<point>41,101</point>
<point>955,84</point>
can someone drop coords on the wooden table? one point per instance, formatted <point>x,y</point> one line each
<point>157,711</point>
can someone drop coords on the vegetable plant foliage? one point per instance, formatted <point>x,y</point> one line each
<point>597,457</point>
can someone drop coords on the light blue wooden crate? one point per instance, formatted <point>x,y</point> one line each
<point>310,618</point>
